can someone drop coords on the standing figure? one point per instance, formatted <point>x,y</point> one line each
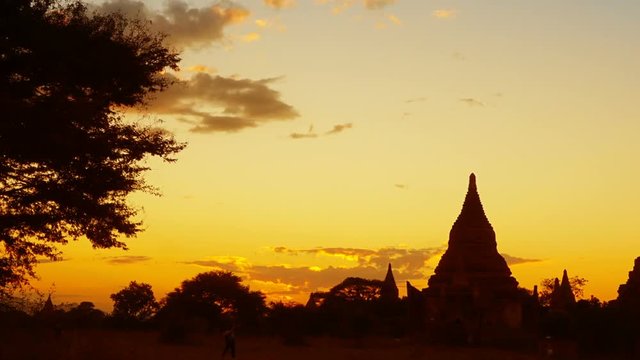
<point>229,343</point>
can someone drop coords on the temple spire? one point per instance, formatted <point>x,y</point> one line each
<point>472,217</point>
<point>472,182</point>
<point>389,287</point>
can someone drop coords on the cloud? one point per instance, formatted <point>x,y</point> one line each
<point>127,259</point>
<point>514,260</point>
<point>251,37</point>
<point>50,261</point>
<point>286,281</point>
<point>377,4</point>
<point>185,26</point>
<point>238,103</point>
<point>279,4</point>
<point>394,19</point>
<point>458,56</point>
<point>408,263</point>
<point>299,281</point>
<point>339,6</point>
<point>339,128</point>
<point>401,186</point>
<point>201,68</point>
<point>444,13</point>
<point>472,102</point>
<point>414,100</point>
<point>311,134</point>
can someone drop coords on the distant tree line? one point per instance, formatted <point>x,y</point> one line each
<point>355,308</point>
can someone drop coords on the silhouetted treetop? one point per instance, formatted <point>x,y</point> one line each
<point>134,302</point>
<point>68,159</point>
<point>215,296</point>
<point>357,289</point>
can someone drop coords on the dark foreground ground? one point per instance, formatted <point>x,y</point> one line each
<point>99,344</point>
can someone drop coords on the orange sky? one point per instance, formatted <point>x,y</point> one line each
<point>328,137</point>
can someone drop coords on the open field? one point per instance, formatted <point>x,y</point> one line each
<point>97,345</point>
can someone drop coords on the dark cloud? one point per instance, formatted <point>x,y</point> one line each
<point>409,263</point>
<point>303,135</point>
<point>472,102</point>
<point>126,259</point>
<point>49,261</point>
<point>185,26</point>
<point>339,128</point>
<point>242,103</point>
<point>302,279</point>
<point>514,260</point>
<point>311,134</point>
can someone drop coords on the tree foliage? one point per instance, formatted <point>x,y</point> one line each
<point>356,289</point>
<point>134,302</point>
<point>68,158</point>
<point>217,297</point>
<point>546,288</point>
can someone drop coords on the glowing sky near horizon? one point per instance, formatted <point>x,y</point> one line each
<point>328,137</point>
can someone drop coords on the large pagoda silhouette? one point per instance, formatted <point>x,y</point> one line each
<point>472,286</point>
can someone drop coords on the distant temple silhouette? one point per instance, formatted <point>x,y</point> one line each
<point>629,293</point>
<point>562,297</point>
<point>389,290</point>
<point>472,285</point>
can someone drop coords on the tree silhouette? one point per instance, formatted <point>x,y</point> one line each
<point>68,158</point>
<point>218,297</point>
<point>135,302</point>
<point>577,286</point>
<point>356,289</point>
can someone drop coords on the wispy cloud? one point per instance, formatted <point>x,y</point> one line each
<point>339,6</point>
<point>394,19</point>
<point>311,134</point>
<point>251,37</point>
<point>50,261</point>
<point>201,68</point>
<point>415,100</point>
<point>377,4</point>
<point>127,259</point>
<point>216,103</point>
<point>339,128</point>
<point>279,4</point>
<point>472,102</point>
<point>458,56</point>
<point>514,260</point>
<point>445,13</point>
<point>185,26</point>
<point>401,186</point>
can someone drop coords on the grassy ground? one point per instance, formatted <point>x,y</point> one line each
<point>98,345</point>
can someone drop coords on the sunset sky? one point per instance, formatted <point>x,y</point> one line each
<point>329,137</point>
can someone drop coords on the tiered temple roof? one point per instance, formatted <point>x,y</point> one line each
<point>472,260</point>
<point>629,293</point>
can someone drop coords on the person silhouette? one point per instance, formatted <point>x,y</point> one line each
<point>229,343</point>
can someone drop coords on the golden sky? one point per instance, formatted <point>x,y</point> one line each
<point>329,137</point>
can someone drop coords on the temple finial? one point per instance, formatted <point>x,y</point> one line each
<point>472,182</point>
